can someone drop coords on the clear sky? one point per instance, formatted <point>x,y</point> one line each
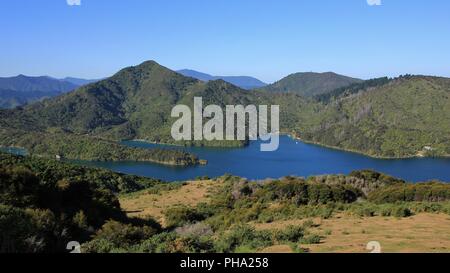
<point>267,39</point>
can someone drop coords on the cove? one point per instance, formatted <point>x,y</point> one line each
<point>292,158</point>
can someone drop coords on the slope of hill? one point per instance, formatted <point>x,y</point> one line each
<point>352,89</point>
<point>409,116</point>
<point>134,103</point>
<point>244,82</point>
<point>309,84</point>
<point>196,75</point>
<point>79,81</point>
<point>19,90</point>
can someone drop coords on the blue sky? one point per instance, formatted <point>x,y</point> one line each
<point>265,39</point>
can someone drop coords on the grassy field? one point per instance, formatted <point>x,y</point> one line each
<point>149,203</point>
<point>423,232</point>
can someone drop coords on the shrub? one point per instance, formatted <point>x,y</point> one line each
<point>196,230</point>
<point>123,235</point>
<point>16,228</point>
<point>243,235</point>
<point>401,212</point>
<point>290,234</point>
<point>428,192</point>
<point>160,243</point>
<point>179,216</point>
<point>19,187</point>
<point>311,239</point>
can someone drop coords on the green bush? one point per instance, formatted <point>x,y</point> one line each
<point>179,216</point>
<point>427,192</point>
<point>290,234</point>
<point>311,239</point>
<point>243,236</point>
<point>401,212</point>
<point>121,235</point>
<point>170,242</point>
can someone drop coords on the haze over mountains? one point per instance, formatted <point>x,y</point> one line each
<point>20,90</point>
<point>244,82</point>
<point>79,81</point>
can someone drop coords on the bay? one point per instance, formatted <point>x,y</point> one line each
<point>292,158</point>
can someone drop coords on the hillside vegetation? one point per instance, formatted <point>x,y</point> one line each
<point>44,204</point>
<point>70,146</point>
<point>406,117</point>
<point>310,84</point>
<point>403,117</point>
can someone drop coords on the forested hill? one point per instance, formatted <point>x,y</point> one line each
<point>408,116</point>
<point>134,103</point>
<point>310,84</point>
<point>403,117</point>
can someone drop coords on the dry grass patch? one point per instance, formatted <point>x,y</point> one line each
<point>424,232</point>
<point>284,224</point>
<point>148,204</point>
<point>277,249</point>
<point>420,233</point>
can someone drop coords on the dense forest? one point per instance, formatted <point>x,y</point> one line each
<point>408,116</point>
<point>70,146</point>
<point>351,89</point>
<point>310,84</point>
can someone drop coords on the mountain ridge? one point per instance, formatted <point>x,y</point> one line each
<point>245,82</point>
<point>309,84</point>
<point>79,81</point>
<point>393,118</point>
<point>21,89</point>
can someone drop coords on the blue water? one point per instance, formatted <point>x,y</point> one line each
<point>292,158</point>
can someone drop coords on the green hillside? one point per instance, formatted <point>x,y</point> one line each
<point>409,116</point>
<point>310,84</point>
<point>403,117</point>
<point>62,145</point>
<point>134,103</point>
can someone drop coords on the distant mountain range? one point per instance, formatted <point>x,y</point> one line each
<point>244,82</point>
<point>310,84</point>
<point>20,90</point>
<point>78,81</point>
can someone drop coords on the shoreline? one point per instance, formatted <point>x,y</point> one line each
<point>361,152</point>
<point>293,137</point>
<point>199,162</point>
